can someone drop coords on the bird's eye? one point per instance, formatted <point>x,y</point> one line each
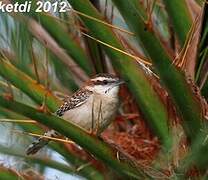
<point>105,82</point>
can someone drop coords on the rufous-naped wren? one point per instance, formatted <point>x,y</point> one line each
<point>91,107</point>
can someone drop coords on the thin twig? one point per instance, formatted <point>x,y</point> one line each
<point>43,136</point>
<point>103,22</point>
<point>18,121</point>
<point>180,60</point>
<point>138,59</point>
<point>135,57</point>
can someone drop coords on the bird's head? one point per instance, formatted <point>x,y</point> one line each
<point>104,84</point>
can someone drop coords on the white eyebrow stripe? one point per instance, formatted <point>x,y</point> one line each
<point>100,79</point>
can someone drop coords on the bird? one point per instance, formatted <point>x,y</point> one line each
<point>92,107</point>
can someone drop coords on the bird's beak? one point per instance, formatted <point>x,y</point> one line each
<point>120,82</point>
<point>117,84</point>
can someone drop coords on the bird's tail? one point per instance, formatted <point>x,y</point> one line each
<point>41,142</point>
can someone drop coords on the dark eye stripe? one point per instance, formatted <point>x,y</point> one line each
<point>103,82</point>
<point>98,82</point>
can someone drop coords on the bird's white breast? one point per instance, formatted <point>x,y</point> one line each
<point>97,108</point>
